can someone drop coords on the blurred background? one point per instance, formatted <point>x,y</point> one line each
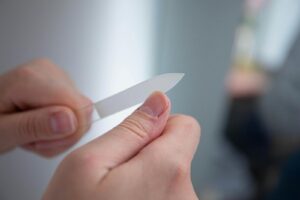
<point>242,81</point>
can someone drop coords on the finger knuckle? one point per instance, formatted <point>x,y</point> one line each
<point>168,164</point>
<point>28,128</point>
<point>139,126</point>
<point>46,65</point>
<point>43,62</point>
<point>177,169</point>
<point>25,72</point>
<point>188,124</point>
<point>29,70</point>
<point>85,100</point>
<point>81,159</point>
<point>180,170</point>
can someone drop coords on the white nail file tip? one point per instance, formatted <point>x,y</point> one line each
<point>134,95</point>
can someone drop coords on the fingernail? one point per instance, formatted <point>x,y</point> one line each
<point>155,105</point>
<point>63,123</point>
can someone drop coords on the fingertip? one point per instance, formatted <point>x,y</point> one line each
<point>85,113</point>
<point>156,104</point>
<point>162,98</point>
<point>63,121</point>
<point>189,122</point>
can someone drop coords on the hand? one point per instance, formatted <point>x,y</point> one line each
<point>38,105</point>
<point>246,83</point>
<point>148,156</point>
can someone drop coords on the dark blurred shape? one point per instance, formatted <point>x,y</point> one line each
<point>246,132</point>
<point>280,110</point>
<point>263,123</point>
<point>288,185</point>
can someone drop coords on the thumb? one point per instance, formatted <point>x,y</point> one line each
<point>40,124</point>
<point>127,139</point>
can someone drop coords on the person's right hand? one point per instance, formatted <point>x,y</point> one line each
<point>148,156</point>
<point>39,109</point>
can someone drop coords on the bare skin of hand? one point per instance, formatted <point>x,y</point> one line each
<point>246,84</point>
<point>148,156</point>
<point>38,105</point>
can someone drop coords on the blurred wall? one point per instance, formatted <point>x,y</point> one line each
<point>105,46</point>
<point>197,39</point>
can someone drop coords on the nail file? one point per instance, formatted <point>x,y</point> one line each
<point>134,95</point>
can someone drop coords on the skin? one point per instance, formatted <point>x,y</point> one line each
<point>30,95</point>
<point>241,84</point>
<point>147,156</point>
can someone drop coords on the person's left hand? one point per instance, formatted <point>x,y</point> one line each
<point>148,156</point>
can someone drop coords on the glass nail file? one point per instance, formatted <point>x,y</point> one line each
<point>134,95</point>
